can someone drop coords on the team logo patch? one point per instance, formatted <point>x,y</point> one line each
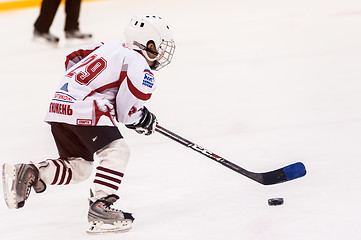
<point>65,87</point>
<point>148,79</point>
<point>63,97</point>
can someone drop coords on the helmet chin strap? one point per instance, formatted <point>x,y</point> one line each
<point>144,51</point>
<point>147,56</point>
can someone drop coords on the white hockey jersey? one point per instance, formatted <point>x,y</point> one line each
<point>98,78</point>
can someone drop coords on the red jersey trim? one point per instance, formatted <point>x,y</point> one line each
<point>138,94</point>
<point>103,88</point>
<point>116,84</point>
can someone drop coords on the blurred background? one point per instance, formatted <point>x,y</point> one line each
<point>261,83</point>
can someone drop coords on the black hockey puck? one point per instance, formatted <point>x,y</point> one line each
<point>275,201</point>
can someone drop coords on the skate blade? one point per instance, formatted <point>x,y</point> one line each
<point>8,178</point>
<point>43,41</point>
<point>98,227</point>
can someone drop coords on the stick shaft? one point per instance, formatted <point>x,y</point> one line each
<point>287,173</point>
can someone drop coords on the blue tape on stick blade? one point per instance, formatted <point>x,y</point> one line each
<point>294,171</point>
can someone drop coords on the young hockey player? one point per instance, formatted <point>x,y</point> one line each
<point>103,83</point>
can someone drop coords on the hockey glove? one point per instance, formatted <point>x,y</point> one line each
<point>146,124</point>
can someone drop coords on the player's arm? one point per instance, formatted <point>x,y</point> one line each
<point>135,90</point>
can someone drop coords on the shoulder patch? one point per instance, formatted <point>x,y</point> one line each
<point>148,79</point>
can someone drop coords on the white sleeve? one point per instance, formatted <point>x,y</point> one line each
<point>136,88</point>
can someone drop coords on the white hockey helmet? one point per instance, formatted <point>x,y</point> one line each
<point>145,28</point>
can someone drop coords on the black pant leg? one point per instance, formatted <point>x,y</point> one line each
<point>47,13</point>
<point>82,141</point>
<point>72,11</point>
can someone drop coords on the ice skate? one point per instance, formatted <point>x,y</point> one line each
<point>17,182</point>
<point>76,34</point>
<point>45,37</point>
<point>102,218</point>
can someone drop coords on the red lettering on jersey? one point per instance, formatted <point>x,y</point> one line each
<point>62,97</point>
<point>93,66</point>
<point>59,108</point>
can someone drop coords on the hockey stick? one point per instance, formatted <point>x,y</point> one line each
<point>287,173</point>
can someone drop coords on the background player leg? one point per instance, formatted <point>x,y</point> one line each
<point>72,11</point>
<point>45,19</point>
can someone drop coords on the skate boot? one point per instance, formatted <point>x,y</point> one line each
<point>76,34</point>
<point>17,182</point>
<point>102,218</point>
<point>47,37</point>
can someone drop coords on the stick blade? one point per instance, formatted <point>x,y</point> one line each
<point>288,173</point>
<point>294,171</point>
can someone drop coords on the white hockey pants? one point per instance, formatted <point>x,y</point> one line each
<point>113,160</point>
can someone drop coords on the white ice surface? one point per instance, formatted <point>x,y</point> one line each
<point>261,83</point>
